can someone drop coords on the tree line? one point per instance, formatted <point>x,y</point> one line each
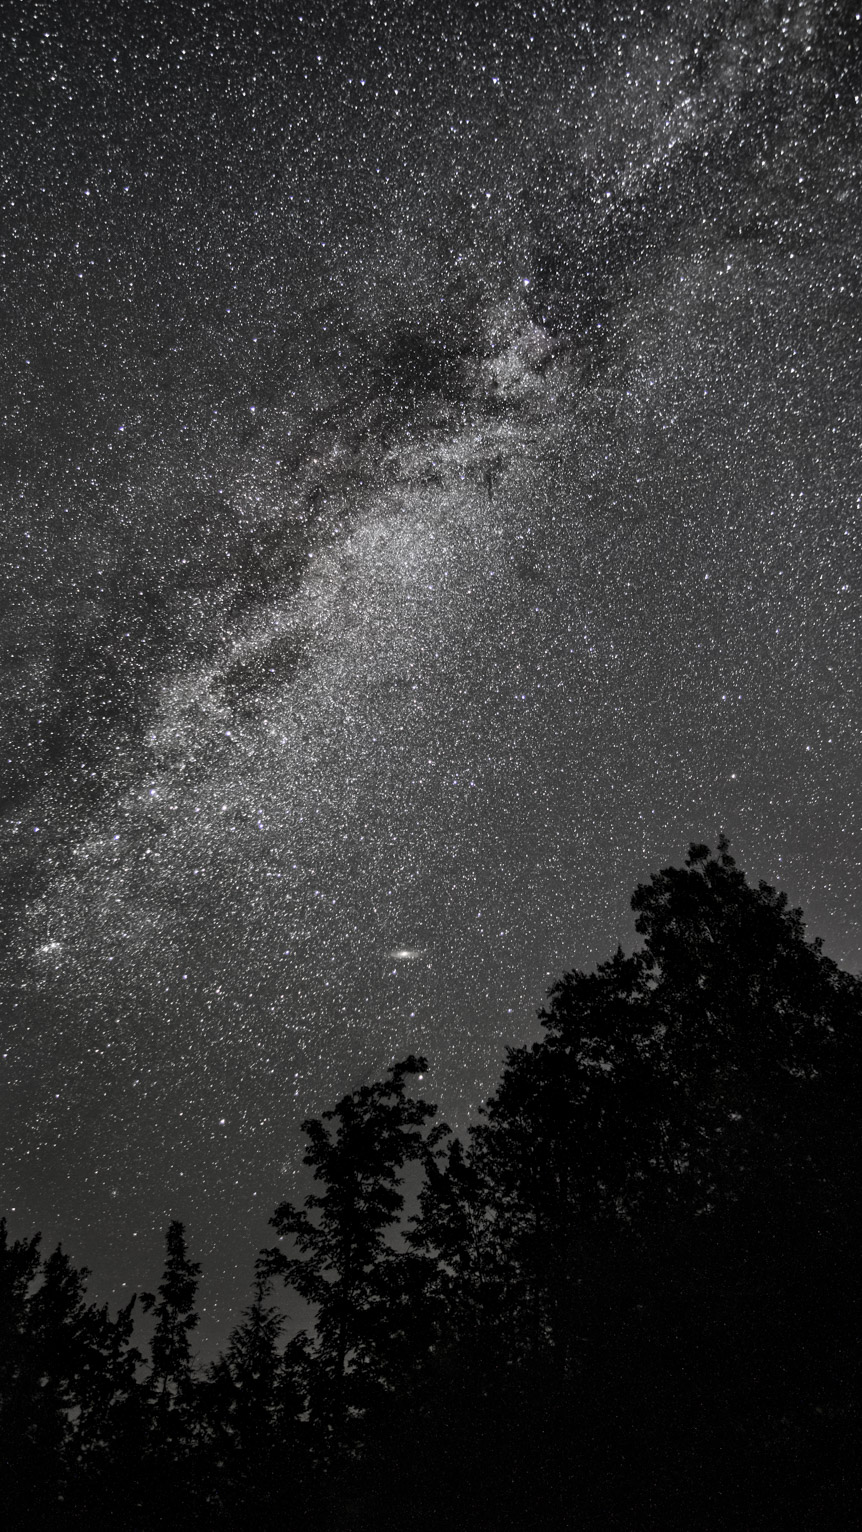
<point>627,1297</point>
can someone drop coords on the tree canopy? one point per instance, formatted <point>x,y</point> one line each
<point>627,1297</point>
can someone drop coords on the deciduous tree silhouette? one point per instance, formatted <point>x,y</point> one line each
<point>661,1191</point>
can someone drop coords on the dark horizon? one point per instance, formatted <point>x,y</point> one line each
<point>626,1297</point>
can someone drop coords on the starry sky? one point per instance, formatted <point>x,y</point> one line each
<point>431,498</point>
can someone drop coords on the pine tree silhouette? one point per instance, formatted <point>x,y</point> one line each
<point>357,1151</point>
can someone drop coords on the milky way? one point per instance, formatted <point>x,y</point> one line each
<point>432,496</point>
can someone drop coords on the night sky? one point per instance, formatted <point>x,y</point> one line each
<point>431,496</point>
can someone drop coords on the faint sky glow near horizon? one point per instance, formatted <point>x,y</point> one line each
<point>432,496</point>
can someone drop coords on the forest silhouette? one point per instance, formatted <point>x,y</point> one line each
<point>627,1297</point>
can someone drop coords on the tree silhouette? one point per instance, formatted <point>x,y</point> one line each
<point>657,1200</point>
<point>67,1373</point>
<point>627,1298</point>
<point>171,1382</point>
<point>341,1263</point>
<point>252,1405</point>
<point>173,1308</point>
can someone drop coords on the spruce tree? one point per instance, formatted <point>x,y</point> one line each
<point>171,1382</point>
<point>340,1261</point>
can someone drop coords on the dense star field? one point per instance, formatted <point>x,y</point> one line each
<point>431,499</point>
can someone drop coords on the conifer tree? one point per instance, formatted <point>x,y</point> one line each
<point>20,1374</point>
<point>252,1405</point>
<point>341,1258</point>
<point>173,1308</point>
<point>66,1371</point>
<point>171,1484</point>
